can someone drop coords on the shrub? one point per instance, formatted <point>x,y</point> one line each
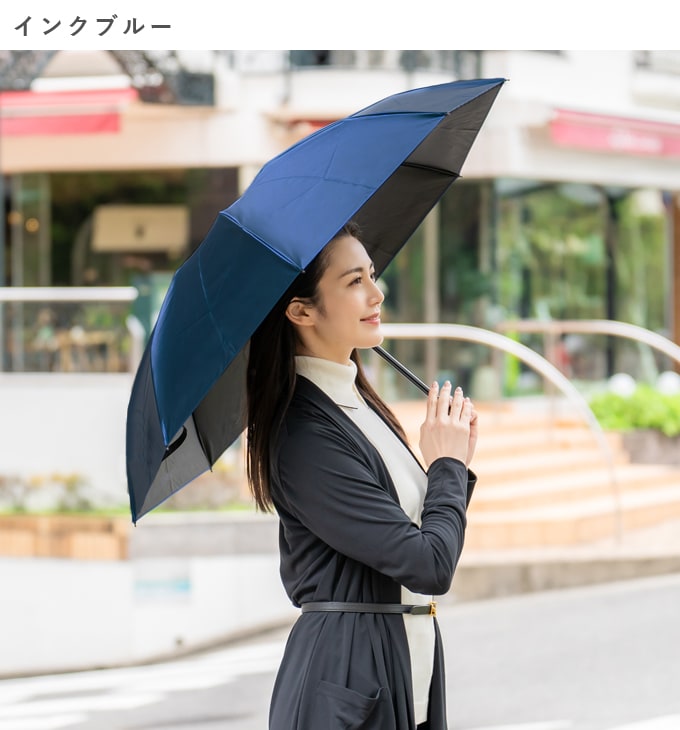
<point>646,408</point>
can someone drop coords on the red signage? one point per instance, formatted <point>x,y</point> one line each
<point>62,112</point>
<point>615,134</point>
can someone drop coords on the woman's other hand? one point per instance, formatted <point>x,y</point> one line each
<point>472,443</point>
<point>448,429</point>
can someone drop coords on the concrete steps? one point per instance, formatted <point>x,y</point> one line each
<point>545,480</point>
<point>572,485</point>
<point>545,460</point>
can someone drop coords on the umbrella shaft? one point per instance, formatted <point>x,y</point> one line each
<point>402,369</point>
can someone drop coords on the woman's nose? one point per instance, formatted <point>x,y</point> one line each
<point>377,294</point>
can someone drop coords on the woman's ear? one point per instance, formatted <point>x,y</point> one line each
<point>299,313</point>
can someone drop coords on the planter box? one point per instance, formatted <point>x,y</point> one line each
<point>648,446</point>
<point>64,536</point>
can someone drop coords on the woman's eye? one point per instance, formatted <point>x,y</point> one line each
<point>359,279</point>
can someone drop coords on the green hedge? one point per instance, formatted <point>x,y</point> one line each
<point>645,408</point>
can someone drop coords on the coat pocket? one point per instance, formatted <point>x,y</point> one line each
<point>340,708</point>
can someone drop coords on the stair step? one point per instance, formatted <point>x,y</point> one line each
<point>571,486</point>
<point>547,482</point>
<point>585,507</point>
<point>506,432</point>
<point>412,413</point>
<point>500,444</point>
<point>546,462</point>
<point>569,524</point>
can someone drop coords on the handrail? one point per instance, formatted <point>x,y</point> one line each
<point>595,327</point>
<point>68,293</point>
<point>468,333</point>
<point>102,294</point>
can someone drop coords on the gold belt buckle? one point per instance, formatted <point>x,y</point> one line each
<point>433,608</point>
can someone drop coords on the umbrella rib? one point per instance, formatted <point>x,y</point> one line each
<point>430,168</point>
<point>254,235</point>
<point>225,348</point>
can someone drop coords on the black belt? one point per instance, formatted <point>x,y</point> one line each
<point>341,606</point>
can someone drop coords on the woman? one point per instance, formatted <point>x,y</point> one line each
<point>367,536</point>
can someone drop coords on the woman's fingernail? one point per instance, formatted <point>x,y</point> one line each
<point>447,383</point>
<point>459,389</point>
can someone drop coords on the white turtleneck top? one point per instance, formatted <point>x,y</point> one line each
<point>410,481</point>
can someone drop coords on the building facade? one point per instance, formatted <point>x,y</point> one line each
<point>114,165</point>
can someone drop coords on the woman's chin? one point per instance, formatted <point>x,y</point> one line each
<point>374,341</point>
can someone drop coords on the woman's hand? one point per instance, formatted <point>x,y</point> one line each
<point>450,426</point>
<point>472,443</point>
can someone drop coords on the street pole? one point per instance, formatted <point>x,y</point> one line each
<point>2,270</point>
<point>674,315</point>
<point>431,308</point>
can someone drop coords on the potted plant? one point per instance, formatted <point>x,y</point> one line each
<point>648,420</point>
<point>52,516</point>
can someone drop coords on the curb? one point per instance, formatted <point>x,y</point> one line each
<point>482,577</point>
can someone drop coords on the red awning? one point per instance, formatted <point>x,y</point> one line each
<point>62,112</point>
<point>615,134</point>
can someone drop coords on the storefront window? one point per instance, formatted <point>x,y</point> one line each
<point>579,252</point>
<point>641,260</point>
<point>77,257</point>
<point>568,251</point>
<point>551,256</point>
<point>528,250</point>
<point>447,260</point>
<point>28,230</point>
<point>98,229</point>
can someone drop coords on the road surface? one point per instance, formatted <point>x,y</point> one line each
<point>598,658</point>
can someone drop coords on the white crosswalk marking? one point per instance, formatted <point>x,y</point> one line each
<point>43,723</point>
<point>667,722</point>
<point>549,725</point>
<point>61,701</point>
<point>89,703</point>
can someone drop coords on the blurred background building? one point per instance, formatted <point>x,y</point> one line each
<point>114,165</point>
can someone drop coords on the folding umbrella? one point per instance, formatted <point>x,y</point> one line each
<point>385,167</point>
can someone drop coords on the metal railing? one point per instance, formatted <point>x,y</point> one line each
<point>495,340</point>
<point>553,330</point>
<point>47,329</point>
<point>68,293</point>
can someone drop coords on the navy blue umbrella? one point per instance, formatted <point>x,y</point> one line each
<point>385,167</point>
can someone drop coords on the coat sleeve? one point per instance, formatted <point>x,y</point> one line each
<point>336,495</point>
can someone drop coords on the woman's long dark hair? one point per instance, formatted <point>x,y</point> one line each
<point>270,379</point>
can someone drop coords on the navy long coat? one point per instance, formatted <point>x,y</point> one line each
<point>344,537</point>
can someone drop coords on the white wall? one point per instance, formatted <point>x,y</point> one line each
<point>66,423</point>
<point>71,614</point>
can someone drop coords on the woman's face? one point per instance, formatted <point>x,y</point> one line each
<point>347,312</point>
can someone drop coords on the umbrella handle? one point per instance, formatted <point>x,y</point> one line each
<point>402,369</point>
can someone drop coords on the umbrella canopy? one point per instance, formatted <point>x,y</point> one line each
<point>385,167</point>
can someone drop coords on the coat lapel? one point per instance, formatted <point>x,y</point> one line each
<point>317,400</point>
